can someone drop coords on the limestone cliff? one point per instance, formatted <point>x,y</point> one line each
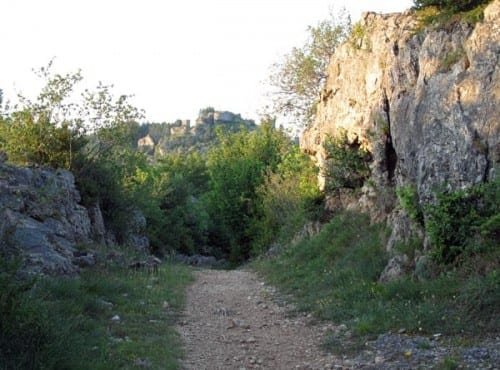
<point>425,103</point>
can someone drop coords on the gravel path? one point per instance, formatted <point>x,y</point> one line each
<point>231,322</point>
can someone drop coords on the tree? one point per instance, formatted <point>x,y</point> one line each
<point>45,131</point>
<point>236,167</point>
<point>450,5</point>
<point>55,127</point>
<point>298,79</point>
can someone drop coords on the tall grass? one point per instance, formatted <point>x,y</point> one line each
<point>335,276</point>
<point>63,323</point>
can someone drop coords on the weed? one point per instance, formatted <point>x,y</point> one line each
<point>358,37</point>
<point>448,363</point>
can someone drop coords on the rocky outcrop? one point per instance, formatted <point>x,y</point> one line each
<point>181,136</point>
<point>425,103</point>
<point>41,220</point>
<point>43,223</point>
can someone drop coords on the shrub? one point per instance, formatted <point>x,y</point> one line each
<point>31,138</point>
<point>443,13</point>
<point>236,168</point>
<point>347,163</point>
<point>457,217</point>
<point>408,199</point>
<point>451,5</point>
<point>287,199</point>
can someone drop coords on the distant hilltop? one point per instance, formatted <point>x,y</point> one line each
<point>180,136</point>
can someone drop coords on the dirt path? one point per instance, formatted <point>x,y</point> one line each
<point>232,322</point>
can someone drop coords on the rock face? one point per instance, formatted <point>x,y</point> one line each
<point>41,219</point>
<point>426,104</point>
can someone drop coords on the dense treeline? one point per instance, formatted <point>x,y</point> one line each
<point>211,203</point>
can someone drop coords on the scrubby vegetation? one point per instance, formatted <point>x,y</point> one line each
<point>335,275</point>
<point>442,13</point>
<point>450,5</point>
<point>465,223</point>
<point>203,202</point>
<point>347,163</point>
<point>108,318</point>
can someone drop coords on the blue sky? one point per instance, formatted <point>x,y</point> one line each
<point>174,56</point>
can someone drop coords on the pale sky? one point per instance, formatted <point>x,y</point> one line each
<point>175,56</point>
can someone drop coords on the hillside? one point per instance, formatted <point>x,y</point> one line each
<point>160,138</point>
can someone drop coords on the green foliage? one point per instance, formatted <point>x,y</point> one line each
<point>179,185</point>
<point>450,5</point>
<point>236,168</point>
<point>299,78</point>
<point>464,222</point>
<point>30,138</point>
<point>91,137</point>
<point>288,198</point>
<point>61,323</point>
<point>335,274</point>
<point>45,131</point>
<point>408,199</point>
<point>347,163</point>
<point>442,13</point>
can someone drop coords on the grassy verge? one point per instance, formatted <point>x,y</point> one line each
<point>334,275</point>
<point>108,318</point>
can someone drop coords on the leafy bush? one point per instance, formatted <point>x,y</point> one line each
<point>451,5</point>
<point>458,216</point>
<point>444,13</point>
<point>347,163</point>
<point>31,138</point>
<point>408,199</point>
<point>288,198</point>
<point>179,184</point>
<point>236,168</point>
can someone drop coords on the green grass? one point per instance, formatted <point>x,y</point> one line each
<point>334,275</point>
<point>63,323</point>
